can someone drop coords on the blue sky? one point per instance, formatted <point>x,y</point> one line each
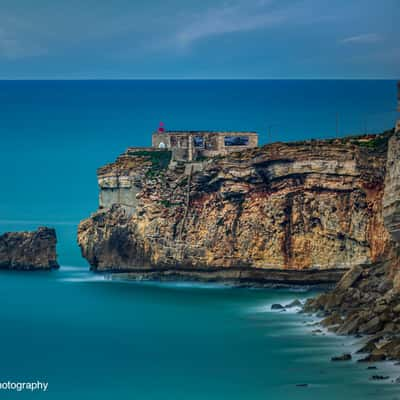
<point>53,39</point>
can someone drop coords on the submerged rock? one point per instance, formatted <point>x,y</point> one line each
<point>343,357</point>
<point>378,377</point>
<point>277,307</point>
<point>29,250</point>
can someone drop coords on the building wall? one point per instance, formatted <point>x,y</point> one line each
<point>183,148</point>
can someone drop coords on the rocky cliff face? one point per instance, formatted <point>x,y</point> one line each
<point>313,205</point>
<point>391,200</point>
<point>367,299</point>
<point>29,250</point>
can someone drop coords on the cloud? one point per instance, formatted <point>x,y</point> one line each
<point>240,17</point>
<point>366,38</point>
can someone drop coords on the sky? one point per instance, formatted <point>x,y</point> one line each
<point>186,39</point>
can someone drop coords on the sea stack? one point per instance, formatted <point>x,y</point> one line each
<point>29,250</point>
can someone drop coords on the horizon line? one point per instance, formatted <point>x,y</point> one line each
<point>196,79</point>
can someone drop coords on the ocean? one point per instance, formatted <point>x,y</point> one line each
<point>85,335</point>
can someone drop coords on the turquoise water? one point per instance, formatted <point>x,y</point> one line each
<point>88,336</point>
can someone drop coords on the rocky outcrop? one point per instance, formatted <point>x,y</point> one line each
<point>313,205</point>
<point>29,250</point>
<point>391,199</point>
<point>367,299</point>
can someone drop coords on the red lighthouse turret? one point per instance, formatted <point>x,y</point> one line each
<point>161,127</point>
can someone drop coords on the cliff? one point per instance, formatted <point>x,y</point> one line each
<point>367,299</point>
<point>313,206</point>
<point>29,250</point>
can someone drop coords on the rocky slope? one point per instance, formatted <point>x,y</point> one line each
<point>313,206</point>
<point>29,250</point>
<point>367,299</point>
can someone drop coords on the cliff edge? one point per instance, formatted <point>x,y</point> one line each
<point>312,206</point>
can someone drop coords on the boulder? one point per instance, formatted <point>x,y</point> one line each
<point>294,303</point>
<point>333,319</point>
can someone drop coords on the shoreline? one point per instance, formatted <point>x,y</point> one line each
<point>237,277</point>
<point>378,371</point>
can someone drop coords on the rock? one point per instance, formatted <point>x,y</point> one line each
<point>350,325</point>
<point>349,278</point>
<point>316,331</point>
<point>373,358</point>
<point>369,347</point>
<point>372,326</point>
<point>277,307</point>
<point>302,385</point>
<point>294,303</point>
<point>372,367</point>
<point>378,377</point>
<point>29,250</point>
<point>333,319</point>
<point>396,309</point>
<point>343,357</point>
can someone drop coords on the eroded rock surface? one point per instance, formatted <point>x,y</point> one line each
<point>313,205</point>
<point>367,299</point>
<point>29,250</point>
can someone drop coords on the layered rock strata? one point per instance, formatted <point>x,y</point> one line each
<point>306,206</point>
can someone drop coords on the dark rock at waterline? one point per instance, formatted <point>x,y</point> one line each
<point>29,250</point>
<point>277,307</point>
<point>372,367</point>
<point>294,303</point>
<point>378,378</point>
<point>343,357</point>
<point>373,358</point>
<point>302,385</point>
<point>369,347</point>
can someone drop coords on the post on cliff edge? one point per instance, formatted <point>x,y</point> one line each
<point>398,106</point>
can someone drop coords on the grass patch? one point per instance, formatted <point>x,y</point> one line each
<point>159,160</point>
<point>373,144</point>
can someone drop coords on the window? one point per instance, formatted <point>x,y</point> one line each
<point>198,141</point>
<point>236,140</point>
